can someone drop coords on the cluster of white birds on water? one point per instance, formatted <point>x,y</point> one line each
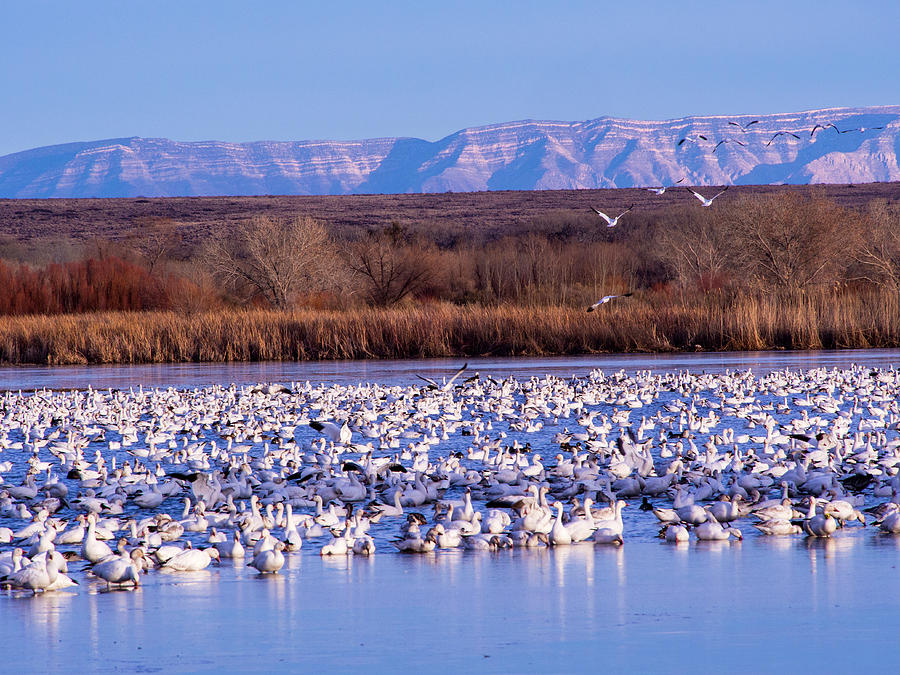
<point>109,485</point>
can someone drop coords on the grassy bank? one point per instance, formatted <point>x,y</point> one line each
<point>656,322</point>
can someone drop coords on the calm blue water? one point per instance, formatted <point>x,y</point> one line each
<point>764,604</point>
<point>789,605</point>
<point>183,375</point>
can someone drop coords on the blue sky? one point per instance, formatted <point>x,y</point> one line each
<point>241,71</point>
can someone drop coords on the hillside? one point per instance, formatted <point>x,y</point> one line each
<point>525,155</point>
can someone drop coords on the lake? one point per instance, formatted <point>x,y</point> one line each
<point>761,604</point>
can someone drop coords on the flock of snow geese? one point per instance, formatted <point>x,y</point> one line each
<point>102,487</point>
<point>704,201</point>
<point>745,127</point>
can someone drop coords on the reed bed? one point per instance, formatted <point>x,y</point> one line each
<point>651,323</point>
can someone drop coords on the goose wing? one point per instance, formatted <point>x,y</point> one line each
<point>457,374</point>
<point>625,211</point>
<point>601,214</point>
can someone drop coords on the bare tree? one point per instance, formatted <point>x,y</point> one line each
<point>696,245</point>
<point>275,258</point>
<point>390,265</point>
<point>156,242</point>
<point>788,241</point>
<point>878,253</point>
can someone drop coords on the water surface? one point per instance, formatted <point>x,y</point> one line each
<point>764,604</point>
<point>791,605</point>
<point>404,371</point>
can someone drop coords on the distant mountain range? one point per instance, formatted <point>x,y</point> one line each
<point>527,155</point>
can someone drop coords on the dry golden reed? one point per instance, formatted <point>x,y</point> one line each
<point>823,319</point>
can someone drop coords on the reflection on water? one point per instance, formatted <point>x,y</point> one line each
<point>647,605</point>
<point>521,610</point>
<point>183,375</point>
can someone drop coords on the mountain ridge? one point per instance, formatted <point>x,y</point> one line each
<point>604,152</point>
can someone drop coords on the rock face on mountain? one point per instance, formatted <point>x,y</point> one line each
<point>599,153</point>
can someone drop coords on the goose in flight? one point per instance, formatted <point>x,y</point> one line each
<point>339,434</point>
<point>692,139</point>
<point>860,130</point>
<point>449,383</point>
<point>611,222</point>
<point>823,126</point>
<point>662,189</point>
<point>744,127</point>
<point>704,200</point>
<point>607,298</point>
<point>729,140</point>
<point>781,133</point>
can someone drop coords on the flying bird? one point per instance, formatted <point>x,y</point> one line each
<point>823,126</point>
<point>692,139</point>
<point>729,140</point>
<point>781,133</point>
<point>607,298</point>
<point>446,386</point>
<point>611,222</point>
<point>744,127</point>
<point>661,190</point>
<point>339,434</point>
<point>860,130</point>
<point>704,200</point>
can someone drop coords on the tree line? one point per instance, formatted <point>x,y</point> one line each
<point>752,243</point>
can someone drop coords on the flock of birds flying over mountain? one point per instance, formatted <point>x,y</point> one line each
<point>104,487</point>
<point>744,127</point>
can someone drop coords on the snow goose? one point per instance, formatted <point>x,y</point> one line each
<point>703,200</point>
<point>676,534</point>
<point>338,434</point>
<point>712,530</point>
<point>818,524</point>
<point>416,544</point>
<point>729,140</point>
<point>611,222</point>
<point>191,560</point>
<point>39,574</point>
<point>607,298</point>
<point>269,561</point>
<point>662,189</point>
<point>743,127</point>
<point>120,569</point>
<point>364,545</point>
<point>92,549</point>
<point>559,534</point>
<point>232,548</point>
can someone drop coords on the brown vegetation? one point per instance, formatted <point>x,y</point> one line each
<point>714,321</point>
<point>760,269</point>
<point>43,230</point>
<point>274,259</point>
